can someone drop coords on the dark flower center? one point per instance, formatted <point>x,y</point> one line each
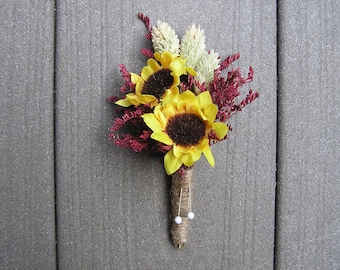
<point>157,83</point>
<point>186,129</point>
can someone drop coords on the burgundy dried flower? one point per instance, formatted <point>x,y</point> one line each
<point>130,131</point>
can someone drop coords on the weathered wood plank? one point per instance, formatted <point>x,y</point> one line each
<point>309,172</point>
<point>26,143</point>
<point>113,205</point>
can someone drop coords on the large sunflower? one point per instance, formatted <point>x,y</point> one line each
<point>156,78</point>
<point>185,121</point>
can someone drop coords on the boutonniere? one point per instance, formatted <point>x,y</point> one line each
<point>178,106</point>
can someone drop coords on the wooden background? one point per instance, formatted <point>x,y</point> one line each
<point>71,200</point>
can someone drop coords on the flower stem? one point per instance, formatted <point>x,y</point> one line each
<point>181,194</point>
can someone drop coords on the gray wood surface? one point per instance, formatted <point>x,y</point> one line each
<point>113,205</point>
<point>309,124</point>
<point>27,223</point>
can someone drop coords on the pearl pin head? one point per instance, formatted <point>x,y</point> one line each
<point>191,215</point>
<point>178,220</point>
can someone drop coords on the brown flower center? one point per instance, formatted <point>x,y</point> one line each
<point>158,82</point>
<point>186,129</point>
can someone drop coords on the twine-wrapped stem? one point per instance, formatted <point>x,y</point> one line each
<point>181,196</point>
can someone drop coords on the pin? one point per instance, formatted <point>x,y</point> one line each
<point>191,214</point>
<point>178,219</point>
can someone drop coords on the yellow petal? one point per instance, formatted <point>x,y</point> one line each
<point>170,95</point>
<point>146,72</point>
<point>177,67</point>
<point>159,58</point>
<point>193,108</point>
<point>190,158</point>
<point>176,79</point>
<point>188,96</point>
<point>208,154</point>
<point>152,122</point>
<point>169,111</point>
<point>162,119</point>
<point>191,71</point>
<point>130,99</point>
<point>171,163</point>
<point>221,129</point>
<point>179,150</point>
<point>210,112</point>
<point>161,137</point>
<point>124,102</point>
<point>135,77</point>
<point>204,99</point>
<point>138,81</point>
<point>167,58</point>
<point>152,63</point>
<point>182,106</point>
<point>147,98</point>
<point>139,87</point>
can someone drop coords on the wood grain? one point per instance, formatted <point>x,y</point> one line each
<point>308,176</point>
<point>27,223</point>
<point>113,205</point>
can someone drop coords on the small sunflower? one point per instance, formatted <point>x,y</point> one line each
<point>161,74</point>
<point>184,121</point>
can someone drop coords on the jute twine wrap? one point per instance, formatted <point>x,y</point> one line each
<point>181,179</point>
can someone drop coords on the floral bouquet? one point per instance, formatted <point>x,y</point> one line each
<point>178,106</point>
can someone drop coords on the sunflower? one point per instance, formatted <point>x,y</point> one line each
<point>184,121</point>
<point>161,74</point>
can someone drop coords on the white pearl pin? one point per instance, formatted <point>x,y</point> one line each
<point>191,215</point>
<point>178,220</point>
